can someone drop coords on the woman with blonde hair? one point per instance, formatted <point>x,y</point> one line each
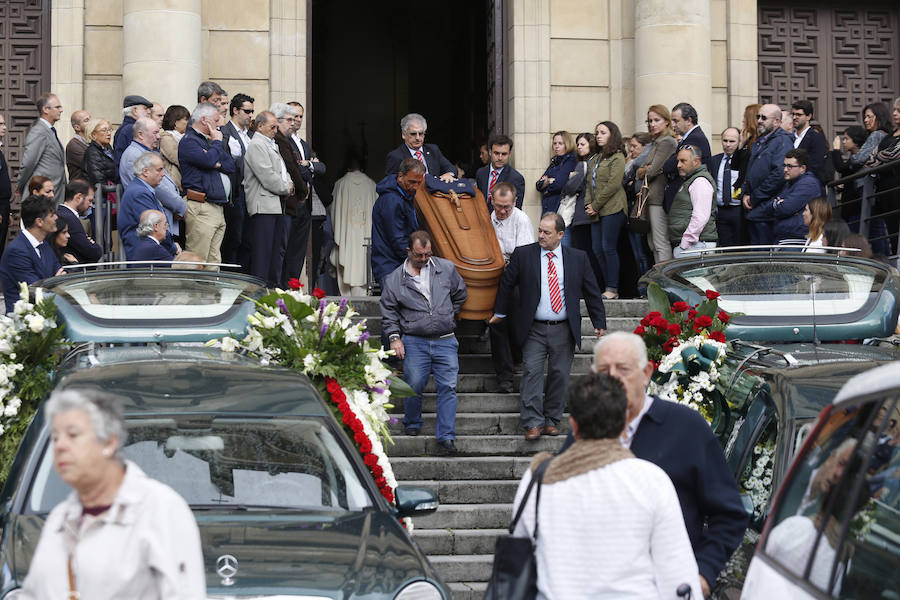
<point>562,162</point>
<point>659,124</point>
<point>816,213</point>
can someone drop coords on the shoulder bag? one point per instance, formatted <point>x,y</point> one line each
<point>514,575</point>
<point>639,215</point>
<point>567,203</point>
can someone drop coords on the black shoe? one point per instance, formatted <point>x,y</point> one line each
<point>505,387</point>
<point>447,447</point>
<point>411,431</point>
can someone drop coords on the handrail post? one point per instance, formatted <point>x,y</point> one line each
<point>97,219</point>
<point>865,212</point>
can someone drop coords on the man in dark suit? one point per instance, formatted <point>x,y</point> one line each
<point>235,138</point>
<point>412,129</point>
<point>551,279</point>
<point>5,190</point>
<point>79,198</point>
<point>679,441</point>
<point>78,144</point>
<point>723,168</point>
<point>140,196</point>
<point>807,138</point>
<point>28,258</point>
<point>499,171</point>
<point>44,153</point>
<point>151,233</point>
<point>685,123</point>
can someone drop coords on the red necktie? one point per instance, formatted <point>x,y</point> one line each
<point>494,175</point>
<point>553,284</point>
<point>419,157</point>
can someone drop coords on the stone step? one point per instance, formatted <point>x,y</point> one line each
<point>481,424</point>
<point>468,590</point>
<point>464,567</point>
<point>368,306</point>
<point>475,445</point>
<point>475,345</point>
<point>482,363</point>
<point>435,542</point>
<point>467,516</point>
<point>413,468</point>
<point>470,402</point>
<point>490,491</point>
<point>480,383</point>
<point>475,328</point>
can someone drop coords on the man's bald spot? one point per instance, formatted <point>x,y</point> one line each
<point>771,111</point>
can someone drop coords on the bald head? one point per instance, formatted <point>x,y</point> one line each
<point>80,119</point>
<point>771,114</point>
<point>146,132</point>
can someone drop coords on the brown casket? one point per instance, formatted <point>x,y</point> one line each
<point>461,231</point>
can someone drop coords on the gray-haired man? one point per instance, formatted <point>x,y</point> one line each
<point>412,129</point>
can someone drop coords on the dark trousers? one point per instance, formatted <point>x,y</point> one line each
<point>297,238</point>
<point>4,224</point>
<point>730,225</point>
<point>542,402</point>
<point>504,352</point>
<point>267,235</point>
<point>235,225</point>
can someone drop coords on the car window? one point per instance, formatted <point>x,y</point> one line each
<point>836,524</point>
<point>281,463</point>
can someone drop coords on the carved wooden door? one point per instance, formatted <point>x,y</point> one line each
<point>839,56</point>
<point>24,69</point>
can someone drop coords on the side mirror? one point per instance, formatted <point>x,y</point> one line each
<point>413,501</point>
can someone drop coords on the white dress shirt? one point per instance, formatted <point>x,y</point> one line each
<point>422,281</point>
<point>544,311</point>
<point>615,532</point>
<point>32,240</point>
<point>721,199</point>
<point>636,422</point>
<point>412,153</point>
<point>798,137</point>
<point>513,231</point>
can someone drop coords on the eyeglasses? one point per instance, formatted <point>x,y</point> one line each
<point>420,255</point>
<point>762,118</point>
<point>415,133</point>
<point>787,166</point>
<point>247,111</point>
<point>798,114</point>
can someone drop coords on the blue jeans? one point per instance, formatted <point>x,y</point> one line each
<point>425,356</point>
<point>637,249</point>
<point>604,239</point>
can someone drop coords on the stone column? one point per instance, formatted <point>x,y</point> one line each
<point>162,50</point>
<point>67,60</point>
<point>287,56</point>
<point>672,60</point>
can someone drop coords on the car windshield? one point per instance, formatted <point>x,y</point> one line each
<point>786,287</point>
<point>232,464</point>
<point>127,298</point>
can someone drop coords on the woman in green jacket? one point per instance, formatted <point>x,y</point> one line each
<point>605,202</point>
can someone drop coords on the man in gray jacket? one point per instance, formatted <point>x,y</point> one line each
<point>419,303</point>
<point>44,154</point>
<point>265,182</point>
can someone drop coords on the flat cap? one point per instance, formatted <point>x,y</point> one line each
<point>136,101</point>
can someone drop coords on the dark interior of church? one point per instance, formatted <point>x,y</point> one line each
<point>373,62</point>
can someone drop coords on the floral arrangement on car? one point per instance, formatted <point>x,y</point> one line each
<point>307,333</point>
<point>756,480</point>
<point>686,345</point>
<point>31,344</point>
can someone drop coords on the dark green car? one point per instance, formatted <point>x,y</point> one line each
<point>284,504</point>
<point>801,326</point>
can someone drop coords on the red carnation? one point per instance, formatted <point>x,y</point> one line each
<point>654,364</point>
<point>332,386</point>
<point>692,313</point>
<point>365,446</point>
<point>712,295</point>
<point>371,460</point>
<point>674,329</point>
<point>294,283</point>
<point>388,495</point>
<point>680,307</point>
<point>347,418</point>
<point>639,330</point>
<point>318,293</point>
<point>723,316</point>
<point>360,436</point>
<point>343,407</point>
<point>377,471</point>
<point>356,426</point>
<point>653,314</point>
<point>659,322</point>
<point>645,322</point>
<point>717,335</point>
<point>703,321</point>
<point>381,482</point>
<point>670,344</point>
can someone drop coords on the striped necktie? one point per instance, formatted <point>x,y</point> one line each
<point>553,284</point>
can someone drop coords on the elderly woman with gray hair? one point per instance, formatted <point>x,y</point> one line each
<point>119,534</point>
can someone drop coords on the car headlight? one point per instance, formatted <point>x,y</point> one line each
<point>420,590</point>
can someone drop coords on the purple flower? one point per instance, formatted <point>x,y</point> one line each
<point>280,304</point>
<point>323,330</point>
<point>321,309</point>
<point>377,390</point>
<point>343,307</point>
<point>363,337</point>
<point>393,421</point>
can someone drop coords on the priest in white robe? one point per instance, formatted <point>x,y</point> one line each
<point>354,197</point>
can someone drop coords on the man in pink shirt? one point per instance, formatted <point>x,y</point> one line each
<point>692,218</point>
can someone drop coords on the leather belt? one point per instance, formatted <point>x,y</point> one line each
<point>437,337</point>
<point>543,322</point>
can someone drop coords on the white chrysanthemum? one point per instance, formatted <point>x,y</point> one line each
<point>229,344</point>
<point>22,306</point>
<point>253,340</point>
<point>352,334</point>
<point>269,322</point>
<point>35,322</point>
<point>310,362</point>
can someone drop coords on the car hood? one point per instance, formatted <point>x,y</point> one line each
<point>319,554</point>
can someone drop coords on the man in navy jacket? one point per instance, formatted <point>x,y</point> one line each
<point>765,173</point>
<point>151,233</point>
<point>133,108</point>
<point>679,441</point>
<point>29,258</point>
<point>79,198</point>
<point>685,121</point>
<point>807,138</point>
<point>205,165</point>
<point>500,147</point>
<point>138,197</point>
<point>394,217</point>
<point>412,129</point>
<point>801,186</point>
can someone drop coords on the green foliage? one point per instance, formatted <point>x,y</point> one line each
<point>658,300</point>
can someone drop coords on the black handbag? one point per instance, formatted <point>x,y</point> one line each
<point>639,215</point>
<point>514,575</point>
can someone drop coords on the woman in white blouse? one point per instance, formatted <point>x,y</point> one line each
<point>815,215</point>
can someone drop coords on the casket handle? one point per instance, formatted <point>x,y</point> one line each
<point>461,219</point>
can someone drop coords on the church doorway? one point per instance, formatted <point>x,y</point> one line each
<point>373,62</point>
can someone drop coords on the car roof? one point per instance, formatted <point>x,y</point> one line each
<point>885,378</point>
<point>195,385</point>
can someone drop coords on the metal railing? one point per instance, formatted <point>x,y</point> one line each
<point>101,221</point>
<point>868,209</point>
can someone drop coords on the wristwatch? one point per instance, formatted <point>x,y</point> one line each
<point>393,337</point>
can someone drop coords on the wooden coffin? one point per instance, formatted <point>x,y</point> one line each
<point>461,231</point>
